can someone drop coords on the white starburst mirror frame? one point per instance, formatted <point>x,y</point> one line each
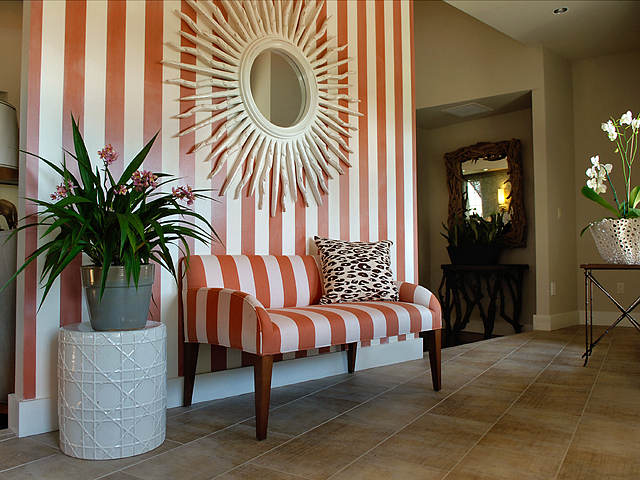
<point>259,155</point>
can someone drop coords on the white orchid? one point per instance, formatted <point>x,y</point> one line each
<point>610,129</point>
<point>635,123</point>
<point>598,175</point>
<point>626,118</point>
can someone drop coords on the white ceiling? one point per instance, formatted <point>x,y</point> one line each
<point>590,28</point>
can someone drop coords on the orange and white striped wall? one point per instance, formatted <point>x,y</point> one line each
<point>99,59</point>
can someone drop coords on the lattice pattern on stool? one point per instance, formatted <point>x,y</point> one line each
<point>111,391</point>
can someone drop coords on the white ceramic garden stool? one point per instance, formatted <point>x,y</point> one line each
<point>112,391</point>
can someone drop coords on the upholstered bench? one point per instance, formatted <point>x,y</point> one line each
<point>268,305</point>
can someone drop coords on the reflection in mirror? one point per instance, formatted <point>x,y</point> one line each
<point>486,187</point>
<point>277,86</point>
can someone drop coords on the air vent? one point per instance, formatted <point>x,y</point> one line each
<point>467,110</point>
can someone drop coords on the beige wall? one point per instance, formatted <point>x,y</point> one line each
<point>433,195</point>
<point>602,87</point>
<point>10,39</point>
<point>459,58</point>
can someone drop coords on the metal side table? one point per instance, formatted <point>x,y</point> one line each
<point>589,282</point>
<point>112,390</point>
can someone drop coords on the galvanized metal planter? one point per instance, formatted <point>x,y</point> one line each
<point>618,240</point>
<point>123,306</point>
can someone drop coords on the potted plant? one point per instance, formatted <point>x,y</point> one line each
<point>121,225</point>
<point>617,237</point>
<point>474,240</point>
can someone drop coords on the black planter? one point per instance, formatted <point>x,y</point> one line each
<point>474,255</point>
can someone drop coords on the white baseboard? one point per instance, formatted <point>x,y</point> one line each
<point>604,318</point>
<point>555,321</point>
<point>32,417</point>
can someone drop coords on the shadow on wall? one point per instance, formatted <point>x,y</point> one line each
<point>440,131</point>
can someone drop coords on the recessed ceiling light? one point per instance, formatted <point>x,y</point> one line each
<point>561,10</point>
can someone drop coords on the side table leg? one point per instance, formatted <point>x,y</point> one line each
<point>586,319</point>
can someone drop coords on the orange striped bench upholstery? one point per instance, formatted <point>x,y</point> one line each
<point>268,305</point>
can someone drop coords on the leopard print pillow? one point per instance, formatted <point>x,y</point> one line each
<point>356,271</point>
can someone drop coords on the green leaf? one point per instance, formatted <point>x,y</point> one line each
<point>634,197</point>
<point>137,161</point>
<point>592,195</point>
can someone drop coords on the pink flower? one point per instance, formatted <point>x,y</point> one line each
<point>184,193</point>
<point>121,190</point>
<point>108,155</point>
<point>143,180</point>
<point>63,190</point>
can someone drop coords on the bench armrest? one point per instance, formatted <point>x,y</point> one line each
<point>413,293</point>
<point>226,317</point>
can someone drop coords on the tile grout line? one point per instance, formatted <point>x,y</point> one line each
<point>428,410</point>
<point>27,463</point>
<point>584,409</point>
<point>273,409</point>
<point>340,414</point>
<point>508,408</point>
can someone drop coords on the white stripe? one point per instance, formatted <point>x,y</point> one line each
<point>407,141</point>
<point>377,317</point>
<point>249,327</point>
<point>311,225</point>
<point>224,309</point>
<point>372,120</point>
<point>288,231</point>
<point>134,52</point>
<point>51,92</point>
<point>351,323</point>
<point>302,281</point>
<point>321,326</point>
<point>404,319</point>
<point>354,174</point>
<point>276,288</point>
<point>391,124</point>
<point>234,223</point>
<point>333,207</point>
<point>262,228</point>
<point>201,315</point>
<point>245,274</point>
<point>289,339</point>
<point>212,271</point>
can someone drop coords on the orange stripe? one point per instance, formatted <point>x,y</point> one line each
<point>276,342</point>
<point>275,232</point>
<point>229,269</point>
<point>398,92</point>
<point>413,130</point>
<point>381,109</point>
<point>390,316</point>
<point>191,315</point>
<point>248,238</point>
<point>306,329</point>
<point>407,292</point>
<point>336,323</point>
<point>289,281</point>
<point>181,318</point>
<point>364,319</point>
<point>114,106</point>
<point>261,279</point>
<point>213,298</point>
<point>313,275</point>
<point>323,210</point>
<point>434,306</point>
<point>152,121</point>
<point>196,276</point>
<point>73,103</point>
<point>344,179</point>
<point>415,316</point>
<point>363,133</point>
<point>31,191</point>
<point>235,320</point>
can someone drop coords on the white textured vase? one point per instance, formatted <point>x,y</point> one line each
<point>112,391</point>
<point>618,240</point>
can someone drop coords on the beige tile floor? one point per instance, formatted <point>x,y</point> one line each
<point>517,407</point>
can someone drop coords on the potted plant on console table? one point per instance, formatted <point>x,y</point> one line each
<point>122,226</point>
<point>474,240</point>
<point>617,237</point>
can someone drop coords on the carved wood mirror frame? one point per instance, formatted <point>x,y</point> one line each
<point>511,149</point>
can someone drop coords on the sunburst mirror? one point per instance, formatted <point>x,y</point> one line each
<point>286,144</point>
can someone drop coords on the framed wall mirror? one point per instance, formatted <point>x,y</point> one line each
<point>485,179</point>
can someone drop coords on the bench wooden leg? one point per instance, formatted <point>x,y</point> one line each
<point>190,359</point>
<point>262,380</point>
<point>351,357</point>
<point>434,341</point>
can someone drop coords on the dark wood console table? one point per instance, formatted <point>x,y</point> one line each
<point>475,285</point>
<point>589,282</point>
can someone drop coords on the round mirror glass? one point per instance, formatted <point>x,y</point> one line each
<point>278,89</point>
